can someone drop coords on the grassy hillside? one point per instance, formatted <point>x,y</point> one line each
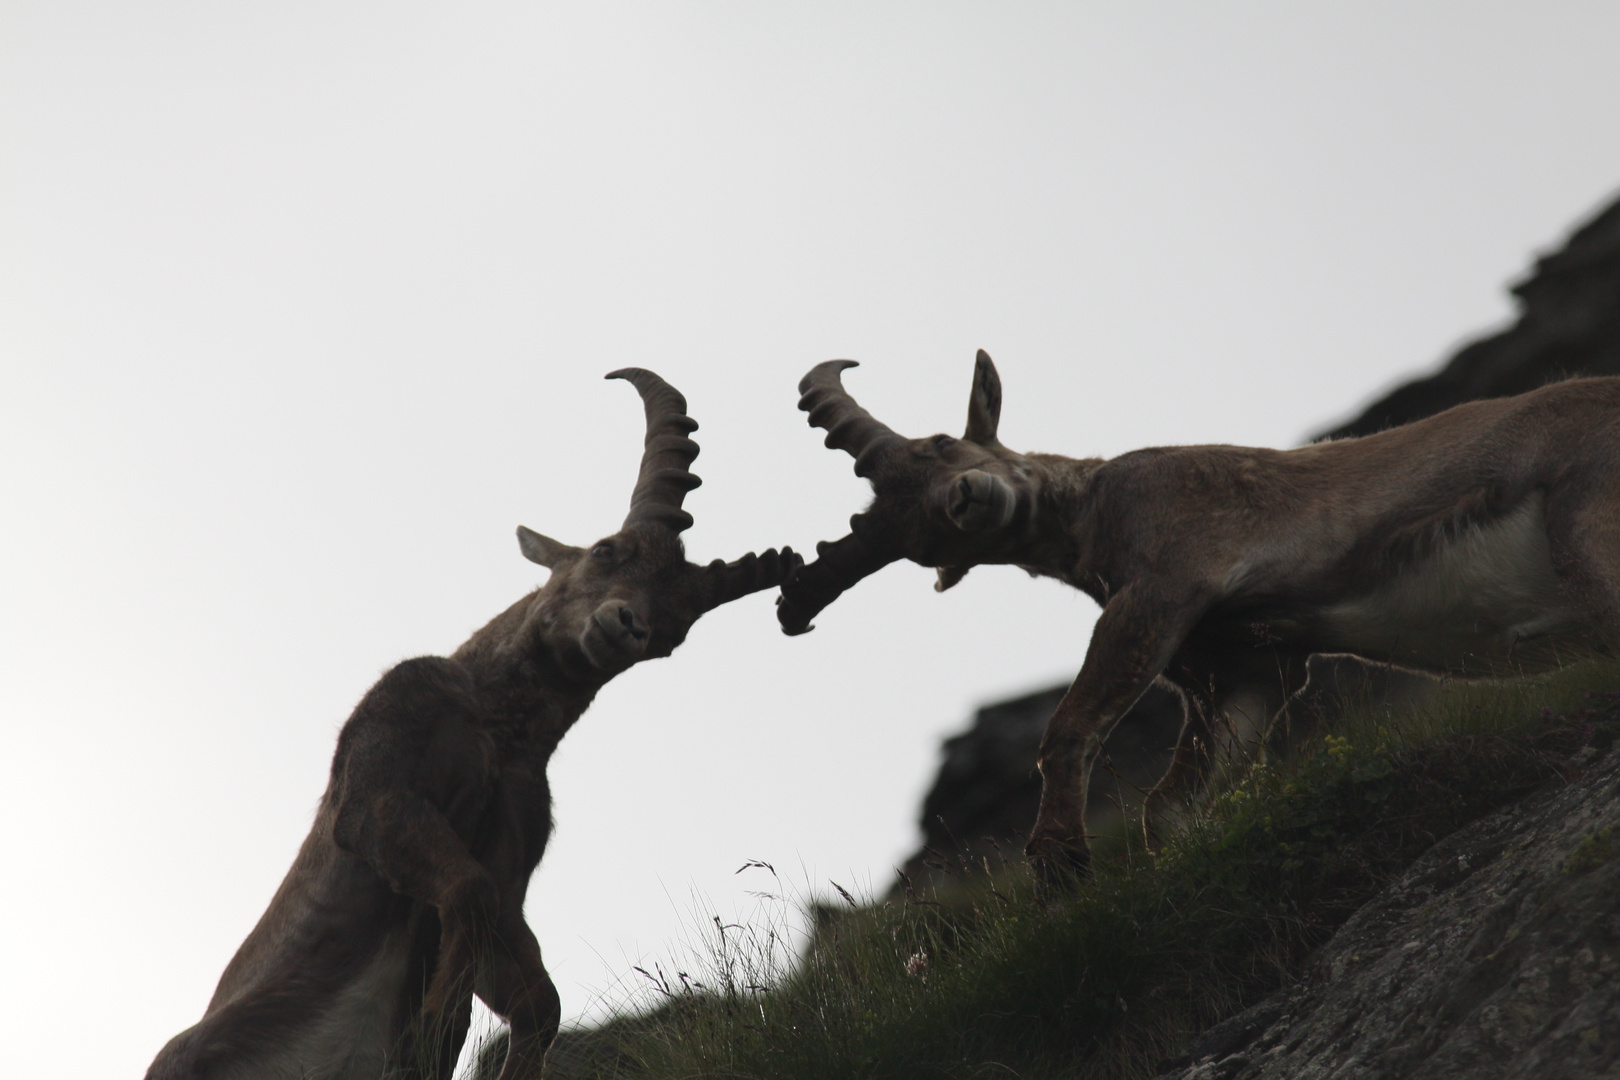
<point>990,982</point>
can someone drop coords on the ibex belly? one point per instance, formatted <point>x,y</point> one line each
<point>354,1035</point>
<point>348,1036</point>
<point>1485,601</point>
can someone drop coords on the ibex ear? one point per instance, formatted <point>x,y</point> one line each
<point>543,549</point>
<point>984,405</point>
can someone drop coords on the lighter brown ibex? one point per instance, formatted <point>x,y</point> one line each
<point>1481,541</point>
<point>407,896</point>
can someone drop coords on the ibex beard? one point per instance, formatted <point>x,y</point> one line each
<point>407,897</point>
<point>1482,541</point>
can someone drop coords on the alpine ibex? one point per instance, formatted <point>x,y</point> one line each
<point>407,896</point>
<point>1481,541</point>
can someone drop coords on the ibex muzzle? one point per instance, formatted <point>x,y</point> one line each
<point>407,898</point>
<point>615,637</point>
<point>975,501</point>
<point>1484,540</point>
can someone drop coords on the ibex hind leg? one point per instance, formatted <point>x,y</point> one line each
<point>1231,723</point>
<point>1583,531</point>
<point>1187,772</point>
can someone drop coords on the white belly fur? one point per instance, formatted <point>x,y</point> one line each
<point>1486,600</point>
<point>351,1039</point>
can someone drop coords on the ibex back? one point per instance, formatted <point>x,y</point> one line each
<point>407,896</point>
<point>1482,541</point>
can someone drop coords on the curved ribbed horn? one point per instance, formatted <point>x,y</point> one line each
<point>666,460</point>
<point>838,566</point>
<point>849,427</point>
<point>750,574</point>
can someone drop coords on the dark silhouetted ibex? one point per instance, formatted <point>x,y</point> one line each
<point>1484,540</point>
<point>407,896</point>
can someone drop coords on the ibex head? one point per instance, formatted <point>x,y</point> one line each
<point>633,596</point>
<point>939,501</point>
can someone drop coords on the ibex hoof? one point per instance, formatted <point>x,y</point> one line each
<point>1059,867</point>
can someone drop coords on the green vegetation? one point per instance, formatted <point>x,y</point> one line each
<point>1591,853</point>
<point>990,982</point>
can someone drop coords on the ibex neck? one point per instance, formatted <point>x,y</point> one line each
<point>531,700</point>
<point>1060,540</point>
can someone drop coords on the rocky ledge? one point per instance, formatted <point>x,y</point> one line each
<point>1496,955</point>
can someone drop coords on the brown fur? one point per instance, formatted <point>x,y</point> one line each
<point>407,896</point>
<point>1484,540</point>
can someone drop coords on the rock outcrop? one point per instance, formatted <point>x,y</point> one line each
<point>1568,324</point>
<point>1496,955</point>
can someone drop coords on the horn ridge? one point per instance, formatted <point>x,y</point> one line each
<point>679,427</point>
<point>849,427</point>
<point>667,454</point>
<point>838,566</point>
<point>751,573</point>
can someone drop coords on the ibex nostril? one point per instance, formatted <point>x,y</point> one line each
<point>627,619</point>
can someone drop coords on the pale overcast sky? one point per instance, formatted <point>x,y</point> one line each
<point>305,306</point>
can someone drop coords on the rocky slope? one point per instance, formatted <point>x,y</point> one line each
<point>1496,955</point>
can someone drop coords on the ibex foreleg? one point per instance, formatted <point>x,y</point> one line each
<point>1139,631</point>
<point>514,984</point>
<point>415,783</point>
<point>484,946</point>
<point>411,845</point>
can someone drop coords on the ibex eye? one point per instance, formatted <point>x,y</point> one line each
<point>604,550</point>
<point>943,441</point>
